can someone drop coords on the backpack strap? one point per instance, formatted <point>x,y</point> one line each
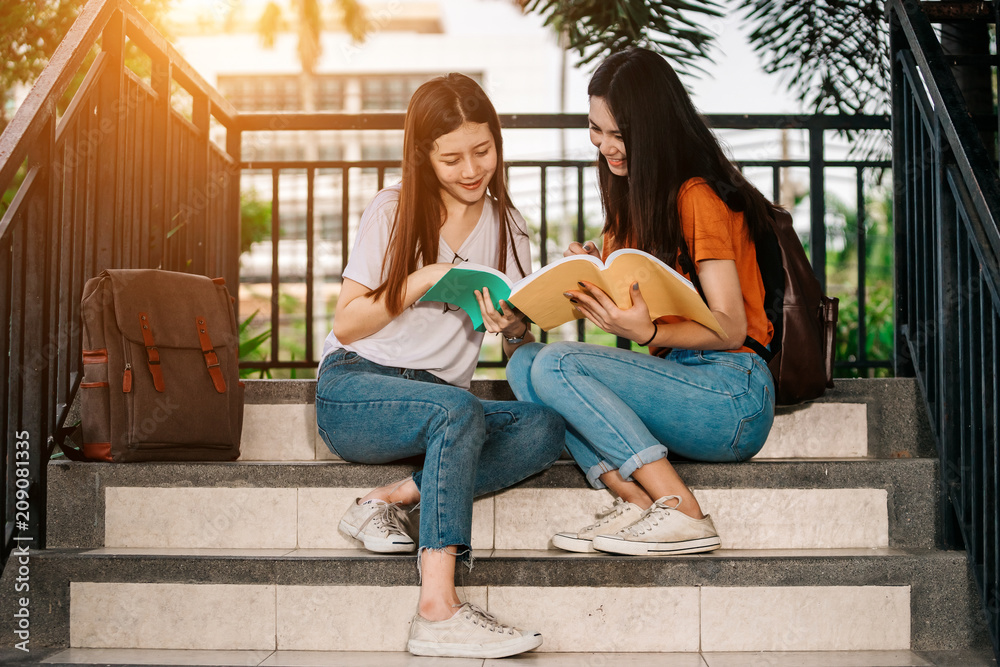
<point>687,265</point>
<point>152,354</point>
<point>762,351</point>
<point>211,358</point>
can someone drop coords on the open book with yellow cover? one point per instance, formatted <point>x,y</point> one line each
<point>540,295</point>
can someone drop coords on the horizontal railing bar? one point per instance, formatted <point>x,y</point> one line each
<point>568,164</point>
<point>35,111</point>
<point>318,164</point>
<point>793,122</point>
<point>871,164</point>
<point>333,120</point>
<point>149,39</point>
<point>294,120</point>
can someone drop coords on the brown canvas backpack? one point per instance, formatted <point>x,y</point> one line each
<point>160,359</point>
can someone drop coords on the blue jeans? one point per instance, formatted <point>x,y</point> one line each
<point>368,413</point>
<point>624,409</point>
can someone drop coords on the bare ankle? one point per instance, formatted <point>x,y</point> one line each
<point>375,494</point>
<point>404,492</point>
<point>438,610</point>
<point>690,507</point>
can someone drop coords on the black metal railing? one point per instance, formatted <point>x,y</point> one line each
<point>347,179</point>
<point>119,179</point>
<point>948,287</point>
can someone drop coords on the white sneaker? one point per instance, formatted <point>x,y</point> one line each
<point>662,530</point>
<point>380,525</point>
<point>470,633</point>
<point>610,521</point>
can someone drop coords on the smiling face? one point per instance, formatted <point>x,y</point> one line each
<point>605,135</point>
<point>464,162</point>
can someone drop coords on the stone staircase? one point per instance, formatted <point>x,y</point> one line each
<point>829,544</point>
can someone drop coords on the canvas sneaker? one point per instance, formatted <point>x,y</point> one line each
<point>380,525</point>
<point>610,520</point>
<point>470,633</point>
<point>662,530</point>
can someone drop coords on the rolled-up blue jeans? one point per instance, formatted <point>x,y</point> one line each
<point>625,409</point>
<point>369,413</point>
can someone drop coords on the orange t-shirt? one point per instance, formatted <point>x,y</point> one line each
<point>714,231</point>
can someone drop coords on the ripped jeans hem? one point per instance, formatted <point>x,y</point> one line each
<point>464,554</point>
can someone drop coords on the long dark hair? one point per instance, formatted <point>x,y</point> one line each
<point>439,106</point>
<point>666,143</point>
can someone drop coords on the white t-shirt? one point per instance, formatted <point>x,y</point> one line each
<point>423,336</point>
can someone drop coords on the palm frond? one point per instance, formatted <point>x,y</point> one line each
<point>594,28</point>
<point>310,25</point>
<point>833,53</point>
<point>269,25</point>
<point>354,17</point>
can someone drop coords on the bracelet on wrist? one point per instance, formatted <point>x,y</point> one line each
<point>656,329</point>
<point>518,339</point>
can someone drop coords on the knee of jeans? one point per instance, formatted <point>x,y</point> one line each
<point>551,365</point>
<point>556,356</point>
<point>459,407</point>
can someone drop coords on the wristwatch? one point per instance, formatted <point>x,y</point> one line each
<point>517,340</point>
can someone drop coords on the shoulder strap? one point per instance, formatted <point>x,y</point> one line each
<point>211,358</point>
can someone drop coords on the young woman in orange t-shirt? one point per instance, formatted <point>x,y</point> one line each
<point>668,189</point>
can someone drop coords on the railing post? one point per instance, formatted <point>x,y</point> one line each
<point>159,160</point>
<point>817,204</point>
<point>36,408</point>
<point>198,200</point>
<point>942,333</point>
<point>234,222</point>
<point>902,360</point>
<point>110,111</point>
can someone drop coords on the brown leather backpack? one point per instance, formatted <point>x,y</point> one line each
<point>804,319</point>
<point>160,359</point>
<point>800,355</point>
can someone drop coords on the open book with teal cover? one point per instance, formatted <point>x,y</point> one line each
<point>540,295</point>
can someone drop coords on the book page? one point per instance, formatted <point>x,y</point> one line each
<point>666,292</point>
<point>458,286</point>
<point>540,295</point>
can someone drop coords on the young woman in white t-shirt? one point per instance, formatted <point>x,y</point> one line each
<point>395,374</point>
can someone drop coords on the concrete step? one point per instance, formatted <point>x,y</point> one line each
<point>83,656</point>
<point>323,600</point>
<point>866,503</point>
<point>858,418</point>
